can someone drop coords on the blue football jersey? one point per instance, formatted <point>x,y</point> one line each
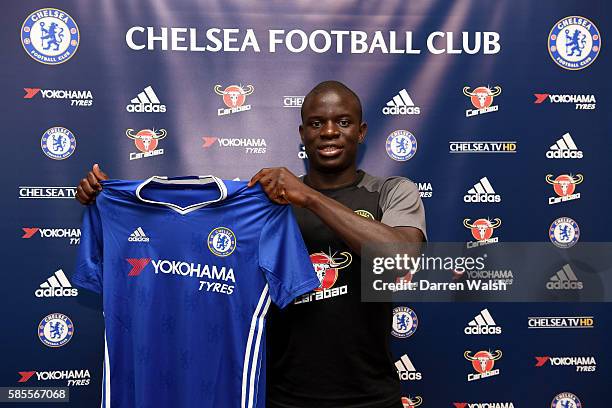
<point>187,268</point>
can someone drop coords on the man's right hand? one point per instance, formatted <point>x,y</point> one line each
<point>89,187</point>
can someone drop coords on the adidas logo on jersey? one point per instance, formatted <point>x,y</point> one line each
<point>56,286</point>
<point>564,148</point>
<point>401,104</point>
<point>406,370</point>
<point>482,192</point>
<point>138,236</point>
<point>564,279</point>
<point>483,323</point>
<point>146,101</point>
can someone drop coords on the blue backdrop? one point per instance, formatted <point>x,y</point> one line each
<point>108,67</point>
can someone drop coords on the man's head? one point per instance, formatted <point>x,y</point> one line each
<point>332,126</point>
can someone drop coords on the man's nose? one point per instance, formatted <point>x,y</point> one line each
<point>330,129</point>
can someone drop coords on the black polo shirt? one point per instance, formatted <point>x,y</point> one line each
<point>328,349</point>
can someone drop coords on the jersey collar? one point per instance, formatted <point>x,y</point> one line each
<point>200,180</point>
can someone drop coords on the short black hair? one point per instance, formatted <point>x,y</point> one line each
<point>331,86</point>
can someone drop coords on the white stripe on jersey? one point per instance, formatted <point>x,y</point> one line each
<point>255,361</point>
<point>247,354</point>
<point>106,394</point>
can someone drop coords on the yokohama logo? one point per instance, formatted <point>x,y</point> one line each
<point>25,375</point>
<point>483,404</point>
<point>138,264</point>
<point>30,92</point>
<point>54,375</point>
<point>565,361</point>
<point>208,141</point>
<point>564,98</point>
<point>29,232</point>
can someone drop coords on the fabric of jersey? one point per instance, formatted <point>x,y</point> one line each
<point>328,349</point>
<point>185,303</point>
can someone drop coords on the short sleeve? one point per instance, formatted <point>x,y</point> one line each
<point>401,205</point>
<point>283,257</point>
<point>88,274</point>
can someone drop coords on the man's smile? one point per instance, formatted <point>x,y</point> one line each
<point>330,149</point>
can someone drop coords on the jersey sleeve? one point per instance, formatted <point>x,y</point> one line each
<point>401,205</point>
<point>283,257</point>
<point>88,274</point>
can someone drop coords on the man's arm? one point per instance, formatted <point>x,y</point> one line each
<point>283,187</point>
<point>356,230</point>
<point>89,187</point>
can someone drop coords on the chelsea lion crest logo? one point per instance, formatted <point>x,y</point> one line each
<point>565,400</point>
<point>58,143</point>
<point>564,232</point>
<point>221,241</point>
<point>405,322</point>
<point>574,42</point>
<point>50,36</point>
<point>401,145</point>
<point>55,330</point>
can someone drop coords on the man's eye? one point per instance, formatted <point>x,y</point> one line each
<point>315,124</point>
<point>344,123</point>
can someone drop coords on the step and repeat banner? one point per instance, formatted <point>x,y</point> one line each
<point>496,110</point>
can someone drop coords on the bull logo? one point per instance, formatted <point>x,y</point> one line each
<point>482,229</point>
<point>326,268</point>
<point>483,361</point>
<point>411,402</point>
<point>234,96</point>
<point>482,97</point>
<point>564,184</point>
<point>146,140</point>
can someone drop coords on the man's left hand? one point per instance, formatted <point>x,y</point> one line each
<point>283,187</point>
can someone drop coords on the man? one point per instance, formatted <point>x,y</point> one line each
<point>329,349</point>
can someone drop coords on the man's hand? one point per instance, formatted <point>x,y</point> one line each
<point>89,187</point>
<point>283,187</point>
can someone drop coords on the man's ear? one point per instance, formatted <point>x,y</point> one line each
<point>363,129</point>
<point>301,130</point>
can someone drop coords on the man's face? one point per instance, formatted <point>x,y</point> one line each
<point>331,130</point>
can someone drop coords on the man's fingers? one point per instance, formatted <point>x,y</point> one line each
<point>87,188</point>
<point>100,175</point>
<point>78,195</point>
<point>93,181</point>
<point>268,184</point>
<point>261,173</point>
<point>82,197</point>
<point>255,178</point>
<point>281,195</point>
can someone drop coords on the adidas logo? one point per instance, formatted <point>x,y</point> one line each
<point>146,101</point>
<point>56,286</point>
<point>482,192</point>
<point>564,279</point>
<point>401,104</point>
<point>483,323</point>
<point>406,370</point>
<point>138,236</point>
<point>564,148</point>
